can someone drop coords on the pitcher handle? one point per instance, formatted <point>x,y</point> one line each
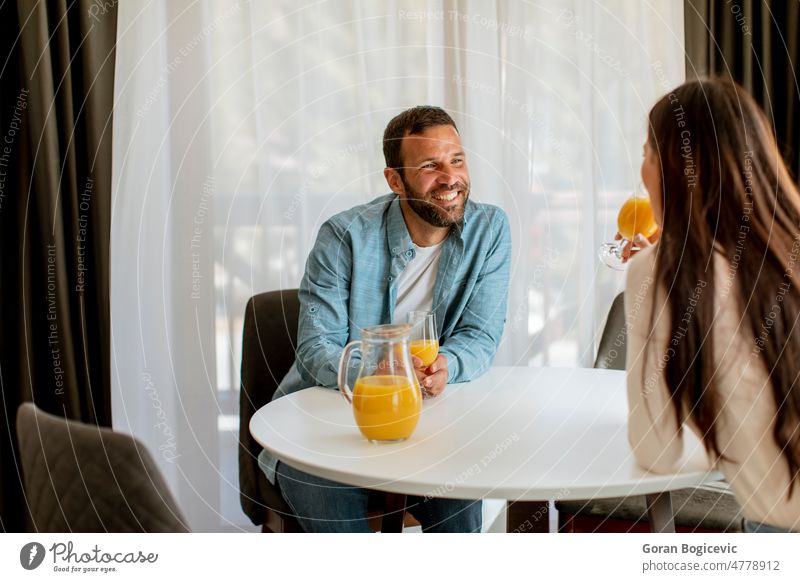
<point>344,364</point>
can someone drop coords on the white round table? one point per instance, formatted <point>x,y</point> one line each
<point>515,433</point>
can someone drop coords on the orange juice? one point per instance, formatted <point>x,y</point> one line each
<point>386,408</point>
<point>425,350</point>
<point>636,217</point>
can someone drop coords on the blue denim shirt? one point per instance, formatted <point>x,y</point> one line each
<point>350,282</point>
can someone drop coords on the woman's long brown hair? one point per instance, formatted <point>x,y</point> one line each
<point>725,189</point>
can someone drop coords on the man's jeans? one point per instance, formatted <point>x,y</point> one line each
<point>324,506</point>
<point>756,527</point>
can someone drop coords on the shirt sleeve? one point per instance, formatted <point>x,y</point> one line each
<point>653,433</point>
<point>473,344</point>
<point>323,326</point>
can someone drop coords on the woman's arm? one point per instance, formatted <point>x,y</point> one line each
<point>653,433</point>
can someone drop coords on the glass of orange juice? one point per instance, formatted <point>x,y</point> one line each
<point>635,217</point>
<point>424,341</point>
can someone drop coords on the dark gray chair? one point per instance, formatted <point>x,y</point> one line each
<point>268,352</point>
<point>710,507</point>
<point>83,478</point>
<point>611,351</point>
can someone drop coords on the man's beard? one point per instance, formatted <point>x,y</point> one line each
<point>429,211</point>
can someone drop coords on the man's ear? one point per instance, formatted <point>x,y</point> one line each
<point>394,180</point>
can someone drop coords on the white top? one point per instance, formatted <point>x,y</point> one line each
<point>756,470</point>
<point>515,433</point>
<point>415,284</point>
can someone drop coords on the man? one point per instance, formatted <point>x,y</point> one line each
<point>426,246</point>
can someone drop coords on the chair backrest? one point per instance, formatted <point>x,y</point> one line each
<point>613,342</point>
<point>83,478</point>
<point>268,352</point>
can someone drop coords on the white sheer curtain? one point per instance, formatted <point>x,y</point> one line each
<point>240,127</point>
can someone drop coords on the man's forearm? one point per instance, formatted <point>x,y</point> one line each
<point>468,356</point>
<point>318,361</point>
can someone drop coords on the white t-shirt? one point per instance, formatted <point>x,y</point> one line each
<point>416,282</point>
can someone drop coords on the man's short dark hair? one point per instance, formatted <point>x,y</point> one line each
<point>412,122</point>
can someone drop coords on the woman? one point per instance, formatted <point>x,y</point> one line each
<point>714,337</point>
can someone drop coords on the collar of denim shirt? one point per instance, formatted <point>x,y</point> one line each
<point>398,237</point>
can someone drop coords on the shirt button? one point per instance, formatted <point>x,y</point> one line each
<point>395,250</point>
<point>409,254</point>
<point>391,278</point>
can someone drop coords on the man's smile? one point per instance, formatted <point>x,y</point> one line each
<point>447,196</point>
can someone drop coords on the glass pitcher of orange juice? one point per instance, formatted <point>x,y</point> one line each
<point>635,217</point>
<point>386,396</point>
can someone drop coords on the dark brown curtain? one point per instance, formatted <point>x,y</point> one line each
<point>756,43</point>
<point>56,97</point>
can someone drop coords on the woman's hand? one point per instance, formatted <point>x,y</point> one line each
<point>639,242</point>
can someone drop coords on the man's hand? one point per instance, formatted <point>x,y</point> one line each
<point>433,378</point>
<point>640,243</point>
